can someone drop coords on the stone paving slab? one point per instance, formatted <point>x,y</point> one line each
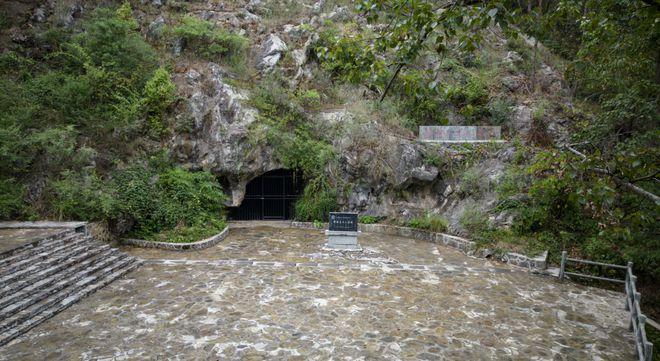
<point>291,306</point>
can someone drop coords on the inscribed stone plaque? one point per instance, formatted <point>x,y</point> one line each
<point>340,221</point>
<point>457,134</point>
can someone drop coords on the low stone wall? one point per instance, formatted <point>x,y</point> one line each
<point>206,243</point>
<point>540,262</point>
<point>465,245</point>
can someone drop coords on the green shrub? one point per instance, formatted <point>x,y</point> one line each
<point>310,99</point>
<point>154,199</point>
<point>369,219</point>
<point>12,194</point>
<point>429,222</point>
<point>433,159</point>
<point>165,200</point>
<point>125,13</point>
<point>475,222</point>
<point>205,39</point>
<point>317,201</point>
<point>81,197</point>
<point>418,98</point>
<point>4,21</point>
<point>473,183</point>
<point>291,132</point>
<point>346,57</point>
<point>113,44</point>
<point>500,111</point>
<point>159,94</point>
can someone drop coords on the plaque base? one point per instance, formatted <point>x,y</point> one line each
<point>342,241</point>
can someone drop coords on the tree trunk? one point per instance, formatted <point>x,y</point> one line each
<point>389,83</point>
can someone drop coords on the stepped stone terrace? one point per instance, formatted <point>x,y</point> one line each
<point>269,293</point>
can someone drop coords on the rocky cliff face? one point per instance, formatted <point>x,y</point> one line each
<point>388,172</point>
<point>217,138</point>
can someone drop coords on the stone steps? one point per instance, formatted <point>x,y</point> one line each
<point>12,333</point>
<point>51,283</point>
<point>12,272</point>
<point>46,277</point>
<point>19,284</point>
<point>36,243</point>
<point>53,290</point>
<point>37,247</point>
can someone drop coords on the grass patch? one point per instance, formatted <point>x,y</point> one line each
<point>369,219</point>
<point>189,234</point>
<point>428,222</point>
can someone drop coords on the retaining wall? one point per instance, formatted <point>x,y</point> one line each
<point>206,243</point>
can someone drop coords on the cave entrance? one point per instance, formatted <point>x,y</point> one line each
<point>270,196</point>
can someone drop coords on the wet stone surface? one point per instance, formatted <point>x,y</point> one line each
<point>305,245</point>
<point>267,294</point>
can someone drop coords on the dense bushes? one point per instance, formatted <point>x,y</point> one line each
<point>208,41</point>
<point>418,94</point>
<point>152,200</point>
<point>318,200</point>
<point>69,118</point>
<point>559,203</point>
<point>101,85</point>
<point>564,204</point>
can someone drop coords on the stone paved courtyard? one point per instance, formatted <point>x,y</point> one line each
<point>272,293</point>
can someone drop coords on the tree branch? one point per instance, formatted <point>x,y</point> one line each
<point>629,186</point>
<point>389,83</point>
<point>650,176</point>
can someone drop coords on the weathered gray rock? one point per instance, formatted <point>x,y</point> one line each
<point>177,46</point>
<point>294,32</point>
<point>271,52</point>
<point>156,28</point>
<point>522,120</point>
<point>17,35</point>
<point>250,18</point>
<point>513,58</point>
<point>74,12</point>
<point>316,8</point>
<point>157,3</point>
<point>513,82</point>
<point>550,79</point>
<point>40,14</point>
<point>257,7</point>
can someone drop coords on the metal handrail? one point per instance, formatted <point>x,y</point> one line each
<point>643,348</point>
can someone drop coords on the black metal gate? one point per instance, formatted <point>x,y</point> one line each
<point>269,196</point>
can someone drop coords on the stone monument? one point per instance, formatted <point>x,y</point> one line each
<point>342,232</point>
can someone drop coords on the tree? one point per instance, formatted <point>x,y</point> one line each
<point>414,27</point>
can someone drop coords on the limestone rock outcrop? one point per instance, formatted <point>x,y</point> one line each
<point>218,137</point>
<point>271,52</point>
